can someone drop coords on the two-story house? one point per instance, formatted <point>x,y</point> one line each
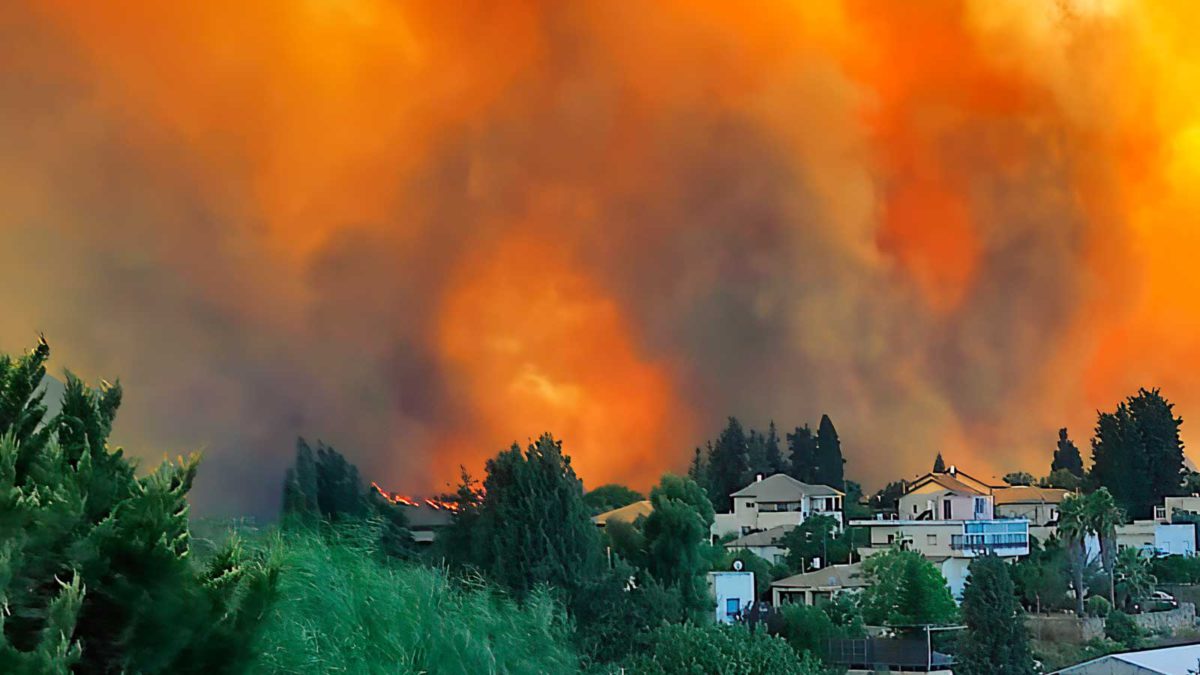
<point>776,501</point>
<point>950,519</point>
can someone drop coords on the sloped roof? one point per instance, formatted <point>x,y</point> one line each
<point>764,538</point>
<point>844,576</point>
<point>781,487</point>
<point>950,481</point>
<point>625,514</point>
<point>1029,494</point>
<point>1165,661</point>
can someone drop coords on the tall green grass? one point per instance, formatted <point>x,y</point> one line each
<point>341,608</point>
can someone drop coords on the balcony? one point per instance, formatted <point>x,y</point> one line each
<point>1002,537</point>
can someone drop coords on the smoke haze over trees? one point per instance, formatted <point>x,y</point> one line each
<point>632,225</point>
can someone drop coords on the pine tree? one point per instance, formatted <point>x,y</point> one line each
<point>728,466</point>
<point>830,464</point>
<point>995,640</point>
<point>756,454</point>
<point>939,465</point>
<point>698,469</point>
<point>802,446</point>
<point>96,574</point>
<point>1066,456</point>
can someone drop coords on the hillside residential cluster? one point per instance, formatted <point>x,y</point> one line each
<point>949,517</point>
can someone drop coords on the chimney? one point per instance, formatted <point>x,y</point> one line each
<point>757,477</point>
<point>952,470</point>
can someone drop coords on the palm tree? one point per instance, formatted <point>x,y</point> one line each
<point>1101,516</point>
<point>1073,528</point>
<point>1137,583</point>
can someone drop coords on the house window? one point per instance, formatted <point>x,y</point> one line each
<point>914,508</point>
<point>946,509</point>
<point>931,539</point>
<point>891,539</point>
<point>732,605</point>
<point>749,505</point>
<point>980,507</point>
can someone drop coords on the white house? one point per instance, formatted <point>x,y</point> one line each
<point>776,501</point>
<point>1158,538</point>
<point>734,593</point>
<point>949,519</point>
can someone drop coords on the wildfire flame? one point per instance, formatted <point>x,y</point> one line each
<point>415,502</point>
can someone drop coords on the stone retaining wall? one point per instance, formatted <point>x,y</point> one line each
<point>1072,630</point>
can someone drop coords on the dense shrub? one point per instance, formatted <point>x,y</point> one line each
<point>1122,629</point>
<point>1176,569</point>
<point>688,649</point>
<point>343,608</point>
<point>1098,605</point>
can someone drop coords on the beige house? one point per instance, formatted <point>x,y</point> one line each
<point>812,588</point>
<point>1038,505</point>
<point>776,501</point>
<point>763,544</point>
<point>625,514</point>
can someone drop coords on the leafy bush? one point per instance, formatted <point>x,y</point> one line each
<point>688,649</point>
<point>343,608</point>
<point>1122,629</point>
<point>1098,605</point>
<point>905,590</point>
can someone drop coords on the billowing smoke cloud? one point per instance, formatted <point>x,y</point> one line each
<point>421,231</point>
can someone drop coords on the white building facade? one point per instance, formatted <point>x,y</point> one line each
<point>777,501</point>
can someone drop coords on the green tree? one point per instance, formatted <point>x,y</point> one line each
<point>939,464</point>
<point>698,469</point>
<point>1137,453</point>
<point>675,531</point>
<point>995,641</point>
<point>802,457</point>
<point>1066,456</point>
<point>95,566</point>
<point>325,487</point>
<point>854,506</point>
<point>830,464</point>
<point>1159,430</point>
<point>1041,577</point>
<point>609,497</point>
<point>532,526</point>
<point>728,466</point>
<point>812,539</point>
<point>888,497</point>
<point>904,589</point>
<point>1019,478</point>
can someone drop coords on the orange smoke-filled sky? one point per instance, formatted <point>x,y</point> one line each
<point>423,230</point>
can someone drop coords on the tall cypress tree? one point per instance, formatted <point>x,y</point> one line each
<point>802,446</point>
<point>728,466</point>
<point>995,640</point>
<point>774,455</point>
<point>830,464</point>
<point>939,464</point>
<point>1066,456</point>
<point>756,453</point>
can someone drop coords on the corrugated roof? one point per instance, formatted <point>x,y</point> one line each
<point>625,514</point>
<point>1179,660</point>
<point>764,538</point>
<point>1029,494</point>
<point>844,576</point>
<point>781,487</point>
